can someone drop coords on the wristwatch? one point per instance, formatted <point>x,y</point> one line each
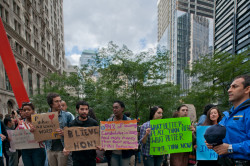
<point>230,149</point>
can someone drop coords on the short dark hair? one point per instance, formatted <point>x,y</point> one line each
<point>81,103</point>
<point>153,111</point>
<point>6,120</point>
<point>50,98</point>
<point>246,81</point>
<point>28,104</point>
<point>207,108</point>
<point>179,108</point>
<point>120,103</point>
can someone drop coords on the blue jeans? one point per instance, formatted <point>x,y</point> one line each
<point>33,157</point>
<point>152,160</point>
<point>117,160</point>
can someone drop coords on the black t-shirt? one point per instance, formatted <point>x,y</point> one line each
<point>83,155</point>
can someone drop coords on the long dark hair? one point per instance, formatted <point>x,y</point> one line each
<point>153,111</point>
<point>208,120</point>
<point>92,114</point>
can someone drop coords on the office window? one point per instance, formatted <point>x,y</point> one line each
<point>20,67</point>
<point>38,78</point>
<point>30,82</point>
<point>7,83</point>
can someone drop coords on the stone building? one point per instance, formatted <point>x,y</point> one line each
<point>35,32</point>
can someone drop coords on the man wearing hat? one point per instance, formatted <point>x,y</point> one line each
<point>235,149</point>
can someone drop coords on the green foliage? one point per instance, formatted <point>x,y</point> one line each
<point>131,78</point>
<point>214,76</point>
<point>68,86</point>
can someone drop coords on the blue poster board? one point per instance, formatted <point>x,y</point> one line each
<point>202,152</point>
<point>1,149</point>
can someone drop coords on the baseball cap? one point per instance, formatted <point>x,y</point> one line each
<point>215,134</point>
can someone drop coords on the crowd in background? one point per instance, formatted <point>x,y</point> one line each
<point>233,150</point>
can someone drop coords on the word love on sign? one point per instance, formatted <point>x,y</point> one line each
<point>22,139</point>
<point>81,138</point>
<point>46,125</point>
<point>170,136</point>
<point>119,134</point>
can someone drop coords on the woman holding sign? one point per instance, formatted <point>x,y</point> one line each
<point>213,118</point>
<point>31,157</point>
<point>149,160</point>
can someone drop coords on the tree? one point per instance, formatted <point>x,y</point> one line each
<point>129,77</point>
<point>67,86</point>
<point>214,75</point>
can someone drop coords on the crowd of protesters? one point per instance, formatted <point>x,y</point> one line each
<point>234,149</point>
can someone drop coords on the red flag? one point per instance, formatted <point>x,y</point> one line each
<point>11,68</point>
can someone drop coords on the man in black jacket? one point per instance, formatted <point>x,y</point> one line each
<point>84,157</point>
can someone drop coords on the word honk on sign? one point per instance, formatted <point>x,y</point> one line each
<point>119,135</point>
<point>81,138</point>
<point>170,136</point>
<point>46,125</point>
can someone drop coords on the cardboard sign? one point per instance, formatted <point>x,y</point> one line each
<point>170,136</point>
<point>202,152</point>
<point>81,138</point>
<point>117,135</point>
<point>191,112</point>
<point>22,139</point>
<point>46,125</point>
<point>11,68</point>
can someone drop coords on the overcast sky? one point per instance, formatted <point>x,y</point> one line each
<point>90,24</point>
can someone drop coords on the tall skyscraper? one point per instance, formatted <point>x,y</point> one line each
<point>183,28</point>
<point>86,57</point>
<point>232,26</point>
<point>35,32</point>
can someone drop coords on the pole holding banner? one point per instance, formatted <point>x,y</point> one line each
<point>11,68</point>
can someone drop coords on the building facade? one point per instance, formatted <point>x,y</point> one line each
<point>87,56</point>
<point>36,36</point>
<point>183,29</point>
<point>232,26</point>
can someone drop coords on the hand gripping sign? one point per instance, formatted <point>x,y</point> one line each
<point>11,68</point>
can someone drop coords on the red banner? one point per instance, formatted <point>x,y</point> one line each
<point>11,68</point>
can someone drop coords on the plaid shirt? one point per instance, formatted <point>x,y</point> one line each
<point>145,147</point>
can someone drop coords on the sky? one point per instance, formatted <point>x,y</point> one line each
<point>91,24</point>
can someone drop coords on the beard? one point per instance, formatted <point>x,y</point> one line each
<point>83,116</point>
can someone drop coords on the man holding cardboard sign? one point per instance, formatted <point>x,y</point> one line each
<point>85,140</point>
<point>55,147</point>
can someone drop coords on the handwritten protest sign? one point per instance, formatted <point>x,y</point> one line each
<point>1,149</point>
<point>81,138</point>
<point>46,125</point>
<point>22,139</point>
<point>1,144</point>
<point>119,135</point>
<point>170,136</point>
<point>202,152</point>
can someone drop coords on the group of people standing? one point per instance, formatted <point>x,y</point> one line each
<point>235,149</point>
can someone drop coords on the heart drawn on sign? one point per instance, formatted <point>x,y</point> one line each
<point>51,117</point>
